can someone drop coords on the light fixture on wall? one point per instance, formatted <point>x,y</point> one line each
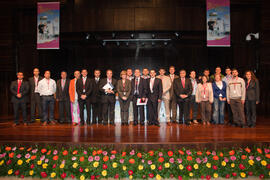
<point>87,37</point>
<point>250,35</point>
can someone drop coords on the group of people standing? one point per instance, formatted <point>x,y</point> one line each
<point>98,97</point>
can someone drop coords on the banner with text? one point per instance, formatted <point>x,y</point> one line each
<point>48,25</point>
<point>218,23</point>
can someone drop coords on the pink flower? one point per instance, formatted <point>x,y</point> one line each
<point>84,152</point>
<point>179,161</point>
<point>214,153</point>
<point>34,151</point>
<point>112,157</point>
<point>233,158</point>
<point>122,161</point>
<point>73,158</point>
<point>97,158</point>
<point>171,160</point>
<point>266,151</point>
<point>132,152</point>
<point>142,160</point>
<point>46,160</point>
<point>104,153</point>
<point>149,162</point>
<point>14,149</point>
<point>90,158</point>
<point>27,156</point>
<point>188,152</point>
<point>226,159</point>
<point>3,155</point>
<point>258,158</point>
<point>63,162</point>
<point>42,157</point>
<point>251,157</point>
<point>205,160</point>
<point>160,154</point>
<point>55,152</point>
<point>198,160</point>
<point>19,156</point>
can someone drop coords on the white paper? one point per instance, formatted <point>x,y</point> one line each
<point>107,86</point>
<point>140,103</point>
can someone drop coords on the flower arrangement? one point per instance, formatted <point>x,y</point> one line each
<point>94,163</point>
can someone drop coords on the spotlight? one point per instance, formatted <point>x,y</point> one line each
<point>153,36</point>
<point>153,43</point>
<point>127,44</point>
<point>103,43</point>
<point>117,43</point>
<point>176,34</point>
<point>165,43</point>
<point>132,36</point>
<point>113,35</point>
<point>143,44</point>
<point>255,35</point>
<point>87,37</point>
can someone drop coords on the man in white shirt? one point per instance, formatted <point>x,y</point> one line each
<point>47,89</point>
<point>173,105</point>
<point>166,86</point>
<point>226,79</point>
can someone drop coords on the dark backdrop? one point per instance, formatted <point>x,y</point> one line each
<point>102,17</point>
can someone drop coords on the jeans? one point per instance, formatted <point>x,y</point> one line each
<point>47,103</point>
<point>218,111</point>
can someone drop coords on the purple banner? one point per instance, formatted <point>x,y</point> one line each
<point>48,25</point>
<point>218,23</point>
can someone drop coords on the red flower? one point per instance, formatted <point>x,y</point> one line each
<point>199,153</point>
<point>8,148</point>
<point>221,154</point>
<point>97,176</point>
<point>189,158</point>
<point>234,174</point>
<point>143,176</point>
<point>243,157</point>
<point>151,153</point>
<point>65,152</point>
<point>106,158</point>
<point>181,152</point>
<point>22,176</point>
<point>261,176</point>
<point>268,166</point>
<point>43,150</point>
<point>8,162</point>
<point>94,153</point>
<point>202,176</point>
<point>11,155</point>
<point>75,152</point>
<point>32,166</point>
<point>227,176</point>
<point>232,152</point>
<point>72,176</point>
<point>180,178</point>
<point>43,174</point>
<point>113,152</point>
<point>81,169</point>
<point>99,151</point>
<point>55,158</point>
<point>17,172</point>
<point>131,161</point>
<point>82,158</point>
<point>160,168</point>
<point>208,153</point>
<point>241,166</point>
<point>189,168</point>
<point>139,155</point>
<point>247,150</point>
<point>124,153</point>
<point>54,166</point>
<point>151,175</point>
<point>116,176</point>
<point>208,177</point>
<point>170,153</point>
<point>214,167</point>
<point>130,172</point>
<point>250,173</point>
<point>215,158</point>
<point>49,152</point>
<point>160,159</point>
<point>92,177</point>
<point>104,166</point>
<point>259,150</point>
<point>63,175</point>
<point>171,175</point>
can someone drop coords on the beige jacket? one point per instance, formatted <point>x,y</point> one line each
<point>166,86</point>
<point>199,94</point>
<point>172,95</point>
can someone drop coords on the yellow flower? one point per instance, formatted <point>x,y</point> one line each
<point>124,168</point>
<point>158,177</point>
<point>223,163</point>
<point>31,172</point>
<point>10,171</point>
<point>153,166</point>
<point>75,165</point>
<point>215,175</point>
<point>96,164</point>
<point>208,165</point>
<point>191,174</point>
<point>62,166</point>
<point>82,177</point>
<point>27,161</point>
<point>167,165</point>
<point>114,165</point>
<point>19,162</point>
<point>263,162</point>
<point>251,162</point>
<point>232,165</point>
<point>181,167</point>
<point>53,175</point>
<point>140,167</point>
<point>44,165</point>
<point>243,175</point>
<point>39,162</point>
<point>86,170</point>
<point>130,177</point>
<point>104,173</point>
<point>2,162</point>
<point>196,166</point>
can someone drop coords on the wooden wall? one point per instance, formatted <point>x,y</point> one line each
<point>18,38</point>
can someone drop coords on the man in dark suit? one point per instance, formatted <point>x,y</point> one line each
<point>95,99</point>
<point>154,86</point>
<point>34,95</point>
<point>173,107</point>
<point>84,89</point>
<point>19,90</point>
<point>107,87</point>
<point>62,96</point>
<point>138,90</point>
<point>183,90</point>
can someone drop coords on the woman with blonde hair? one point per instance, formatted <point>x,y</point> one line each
<point>124,89</point>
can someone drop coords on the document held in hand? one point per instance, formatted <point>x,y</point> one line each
<point>107,86</point>
<point>140,102</point>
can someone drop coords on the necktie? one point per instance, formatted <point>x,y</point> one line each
<point>63,84</point>
<point>136,86</point>
<point>19,86</point>
<point>152,84</point>
<point>183,82</point>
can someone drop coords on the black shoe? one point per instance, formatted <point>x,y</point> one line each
<point>112,123</point>
<point>180,122</point>
<point>243,126</point>
<point>142,123</point>
<point>105,123</point>
<point>157,124</point>
<point>135,123</point>
<point>149,123</point>
<point>94,122</point>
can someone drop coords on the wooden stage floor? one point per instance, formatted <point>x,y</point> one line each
<point>197,136</point>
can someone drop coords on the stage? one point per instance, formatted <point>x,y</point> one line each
<point>194,136</point>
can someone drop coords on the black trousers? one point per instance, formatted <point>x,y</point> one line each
<point>152,107</point>
<point>108,108</point>
<point>184,109</point>
<point>137,111</point>
<point>250,108</point>
<point>35,104</point>
<point>96,112</point>
<point>230,114</point>
<point>64,108</point>
<point>124,106</point>
<point>82,104</point>
<point>16,107</point>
